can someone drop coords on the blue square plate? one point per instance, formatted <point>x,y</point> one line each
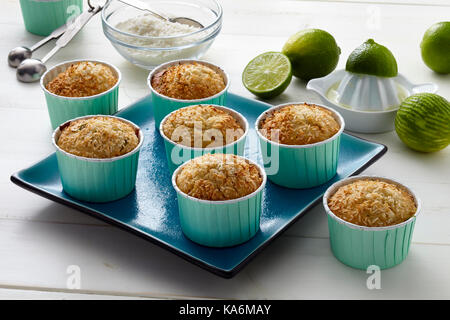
<point>151,210</point>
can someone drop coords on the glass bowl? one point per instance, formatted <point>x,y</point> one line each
<point>148,52</point>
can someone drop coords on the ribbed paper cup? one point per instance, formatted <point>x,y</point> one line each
<point>300,166</point>
<point>41,17</point>
<point>97,180</point>
<point>220,223</point>
<point>359,246</point>
<point>178,154</point>
<point>163,105</point>
<point>61,109</point>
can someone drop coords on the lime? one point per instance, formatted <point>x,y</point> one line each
<point>313,53</point>
<point>435,47</point>
<point>423,122</point>
<point>267,75</point>
<point>373,59</point>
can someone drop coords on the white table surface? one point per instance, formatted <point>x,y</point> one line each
<point>40,239</point>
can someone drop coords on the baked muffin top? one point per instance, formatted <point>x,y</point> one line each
<point>219,177</point>
<point>217,127</point>
<point>98,137</point>
<point>372,203</point>
<point>300,124</point>
<point>188,81</point>
<point>83,79</point>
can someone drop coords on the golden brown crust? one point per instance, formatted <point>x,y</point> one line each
<point>83,79</point>
<point>217,127</point>
<point>372,203</point>
<point>219,177</point>
<point>98,137</point>
<point>188,81</point>
<point>300,124</point>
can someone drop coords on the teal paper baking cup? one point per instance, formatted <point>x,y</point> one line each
<point>178,154</point>
<point>97,180</point>
<point>41,17</point>
<point>220,223</point>
<point>61,109</point>
<point>300,166</point>
<point>359,246</point>
<point>163,105</point>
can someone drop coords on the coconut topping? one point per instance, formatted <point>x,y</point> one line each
<point>188,81</point>
<point>83,79</point>
<point>372,203</point>
<point>299,124</point>
<point>98,137</point>
<point>219,177</point>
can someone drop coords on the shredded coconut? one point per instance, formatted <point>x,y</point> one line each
<point>188,81</point>
<point>83,79</point>
<point>300,124</point>
<point>98,137</point>
<point>219,177</point>
<point>149,26</point>
<point>372,203</point>
<point>183,124</point>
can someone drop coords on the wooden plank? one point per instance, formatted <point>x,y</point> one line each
<point>41,239</point>
<point>30,294</point>
<point>38,255</point>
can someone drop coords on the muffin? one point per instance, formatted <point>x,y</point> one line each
<point>83,79</point>
<point>219,177</point>
<point>300,124</point>
<point>98,157</point>
<point>177,84</point>
<point>79,88</point>
<point>300,144</point>
<point>372,203</point>
<point>188,81</point>
<point>181,126</point>
<point>98,137</point>
<point>219,199</point>
<point>370,221</point>
<point>193,131</point>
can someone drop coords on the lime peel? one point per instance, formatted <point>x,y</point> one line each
<point>435,47</point>
<point>422,122</point>
<point>313,53</point>
<point>374,59</point>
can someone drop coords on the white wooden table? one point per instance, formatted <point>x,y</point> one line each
<point>40,240</point>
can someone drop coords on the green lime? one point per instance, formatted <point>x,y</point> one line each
<point>267,75</point>
<point>373,59</point>
<point>423,122</point>
<point>435,47</point>
<point>313,53</point>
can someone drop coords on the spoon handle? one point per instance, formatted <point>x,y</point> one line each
<point>72,29</point>
<point>144,6</point>
<point>50,54</point>
<point>55,34</point>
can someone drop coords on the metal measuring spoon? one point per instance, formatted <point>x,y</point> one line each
<point>144,6</point>
<point>31,70</point>
<point>19,54</point>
